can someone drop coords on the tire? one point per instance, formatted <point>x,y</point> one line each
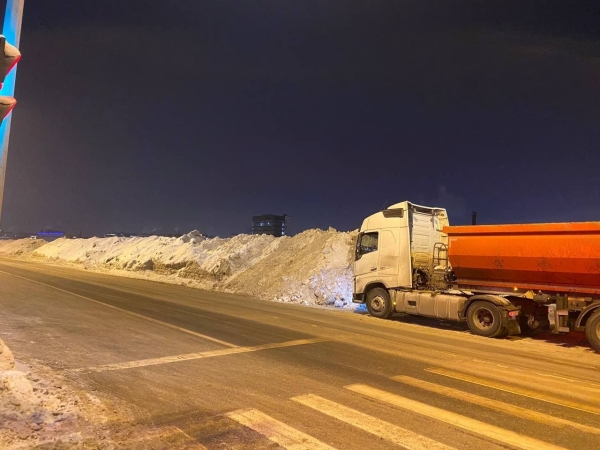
<point>592,330</point>
<point>484,319</point>
<point>379,303</point>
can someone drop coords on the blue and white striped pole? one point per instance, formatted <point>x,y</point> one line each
<point>11,30</point>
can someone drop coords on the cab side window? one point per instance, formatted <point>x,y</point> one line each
<point>367,244</point>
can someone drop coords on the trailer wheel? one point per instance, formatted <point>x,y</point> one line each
<point>484,319</point>
<point>379,303</point>
<point>592,330</point>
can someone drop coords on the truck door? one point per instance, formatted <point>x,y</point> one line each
<point>389,256</point>
<point>366,260</point>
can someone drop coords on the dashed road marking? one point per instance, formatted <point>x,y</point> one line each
<point>466,423</point>
<point>496,405</point>
<point>380,428</point>
<point>194,446</point>
<point>199,355</point>
<point>506,387</point>
<point>582,390</point>
<point>276,431</point>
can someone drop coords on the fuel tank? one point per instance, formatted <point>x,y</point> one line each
<point>551,257</point>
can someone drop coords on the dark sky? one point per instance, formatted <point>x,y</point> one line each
<point>141,114</point>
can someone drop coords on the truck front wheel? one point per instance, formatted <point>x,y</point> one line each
<point>379,303</point>
<point>484,319</point>
<point>592,330</point>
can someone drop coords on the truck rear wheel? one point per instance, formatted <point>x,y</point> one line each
<point>592,330</point>
<point>379,303</point>
<point>484,319</point>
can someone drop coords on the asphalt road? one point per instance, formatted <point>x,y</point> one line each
<point>234,372</point>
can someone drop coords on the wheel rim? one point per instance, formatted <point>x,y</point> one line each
<point>377,303</point>
<point>483,319</point>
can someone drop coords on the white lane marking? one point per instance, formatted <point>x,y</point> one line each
<point>140,316</point>
<point>276,431</point>
<point>466,423</point>
<point>507,408</point>
<point>152,438</point>
<point>380,428</point>
<point>531,379</point>
<point>199,355</point>
<point>569,381</point>
<point>194,446</point>
<point>507,387</point>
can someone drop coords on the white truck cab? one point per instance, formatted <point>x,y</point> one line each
<point>396,247</point>
<point>401,266</point>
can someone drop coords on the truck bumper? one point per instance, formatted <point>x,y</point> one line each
<point>358,298</point>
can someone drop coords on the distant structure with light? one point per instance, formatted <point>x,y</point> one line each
<point>50,235</point>
<point>270,224</point>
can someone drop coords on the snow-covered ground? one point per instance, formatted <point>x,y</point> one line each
<point>39,409</point>
<point>313,267</point>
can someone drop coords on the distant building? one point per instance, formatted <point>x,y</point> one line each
<point>269,224</point>
<point>50,235</point>
<point>130,235</point>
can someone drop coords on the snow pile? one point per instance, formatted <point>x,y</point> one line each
<point>20,247</point>
<point>313,267</point>
<point>195,237</point>
<point>190,256</point>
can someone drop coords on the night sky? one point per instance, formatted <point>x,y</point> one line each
<point>146,115</point>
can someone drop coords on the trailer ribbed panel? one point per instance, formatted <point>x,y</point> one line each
<point>552,257</point>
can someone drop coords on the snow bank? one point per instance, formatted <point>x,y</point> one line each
<point>20,247</point>
<point>313,267</point>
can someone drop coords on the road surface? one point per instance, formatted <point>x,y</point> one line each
<point>233,372</point>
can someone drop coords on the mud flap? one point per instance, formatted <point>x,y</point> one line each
<point>510,320</point>
<point>513,327</point>
<point>358,298</point>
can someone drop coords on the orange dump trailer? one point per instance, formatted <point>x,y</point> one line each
<point>558,258</point>
<point>533,266</point>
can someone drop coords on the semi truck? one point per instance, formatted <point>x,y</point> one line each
<point>499,279</point>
